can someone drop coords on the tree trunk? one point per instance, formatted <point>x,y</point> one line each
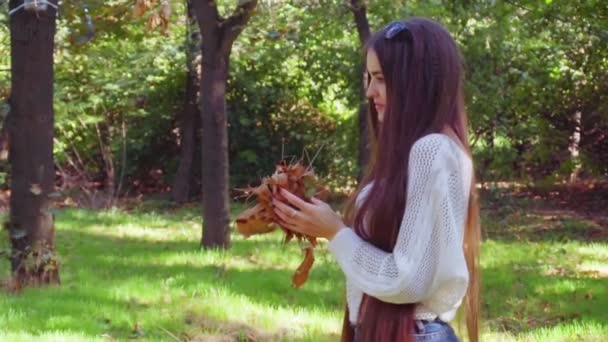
<point>575,142</point>
<point>215,155</point>
<point>189,122</point>
<point>181,184</point>
<point>104,138</point>
<point>30,129</point>
<point>487,161</point>
<point>360,13</point>
<point>218,35</point>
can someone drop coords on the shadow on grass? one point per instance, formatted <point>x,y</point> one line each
<point>127,254</point>
<point>519,295</point>
<point>522,297</point>
<point>512,218</point>
<point>203,328</point>
<point>89,218</point>
<point>94,267</point>
<point>537,228</point>
<point>102,277</point>
<point>534,280</point>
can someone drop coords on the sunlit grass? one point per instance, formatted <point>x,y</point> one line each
<point>140,274</point>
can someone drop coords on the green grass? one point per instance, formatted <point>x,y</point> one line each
<point>140,274</point>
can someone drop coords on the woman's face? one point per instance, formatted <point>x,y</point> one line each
<point>376,89</point>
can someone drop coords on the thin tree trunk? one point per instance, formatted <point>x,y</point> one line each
<point>105,148</point>
<point>218,35</point>
<point>123,159</point>
<point>188,122</point>
<point>181,184</point>
<point>30,129</point>
<point>575,142</point>
<point>490,135</point>
<point>360,13</point>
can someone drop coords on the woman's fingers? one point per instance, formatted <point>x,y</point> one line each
<point>281,211</point>
<point>289,214</point>
<point>317,201</point>
<point>289,221</point>
<point>290,226</point>
<point>284,208</point>
<point>295,200</point>
<point>298,215</point>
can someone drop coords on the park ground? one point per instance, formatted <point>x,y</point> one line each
<point>136,272</point>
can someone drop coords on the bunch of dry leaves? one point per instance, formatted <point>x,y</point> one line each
<point>261,218</point>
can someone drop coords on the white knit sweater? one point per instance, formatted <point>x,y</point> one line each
<point>427,265</point>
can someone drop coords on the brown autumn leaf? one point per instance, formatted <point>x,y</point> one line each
<point>254,221</point>
<point>301,274</point>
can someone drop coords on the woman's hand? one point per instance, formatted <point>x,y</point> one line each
<point>316,219</point>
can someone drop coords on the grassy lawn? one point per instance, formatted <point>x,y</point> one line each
<point>139,274</point>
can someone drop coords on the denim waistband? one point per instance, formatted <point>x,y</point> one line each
<point>426,331</point>
<point>433,331</point>
<point>420,325</point>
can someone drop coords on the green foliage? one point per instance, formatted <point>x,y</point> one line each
<point>293,86</point>
<point>530,71</point>
<point>124,76</point>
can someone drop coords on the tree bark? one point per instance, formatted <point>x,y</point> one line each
<point>218,35</point>
<point>189,124</point>
<point>359,10</point>
<point>30,129</point>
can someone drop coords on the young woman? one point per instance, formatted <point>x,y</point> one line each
<point>409,241</point>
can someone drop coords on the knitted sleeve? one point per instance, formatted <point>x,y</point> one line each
<point>428,254</point>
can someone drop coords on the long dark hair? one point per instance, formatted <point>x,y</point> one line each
<point>423,73</point>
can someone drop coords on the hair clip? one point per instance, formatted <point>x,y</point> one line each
<point>394,28</point>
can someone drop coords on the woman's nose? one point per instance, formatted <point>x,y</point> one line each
<point>370,92</point>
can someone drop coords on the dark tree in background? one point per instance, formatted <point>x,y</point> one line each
<point>359,9</point>
<point>30,130</point>
<point>189,121</point>
<point>217,35</point>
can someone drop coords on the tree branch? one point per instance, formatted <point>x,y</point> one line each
<point>208,20</point>
<point>359,9</point>
<point>234,25</point>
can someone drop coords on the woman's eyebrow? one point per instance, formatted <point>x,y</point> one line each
<point>375,73</point>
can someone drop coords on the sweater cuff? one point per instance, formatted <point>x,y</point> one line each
<point>343,245</point>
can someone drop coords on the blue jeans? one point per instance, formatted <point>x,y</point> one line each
<point>434,331</point>
<point>429,331</point>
